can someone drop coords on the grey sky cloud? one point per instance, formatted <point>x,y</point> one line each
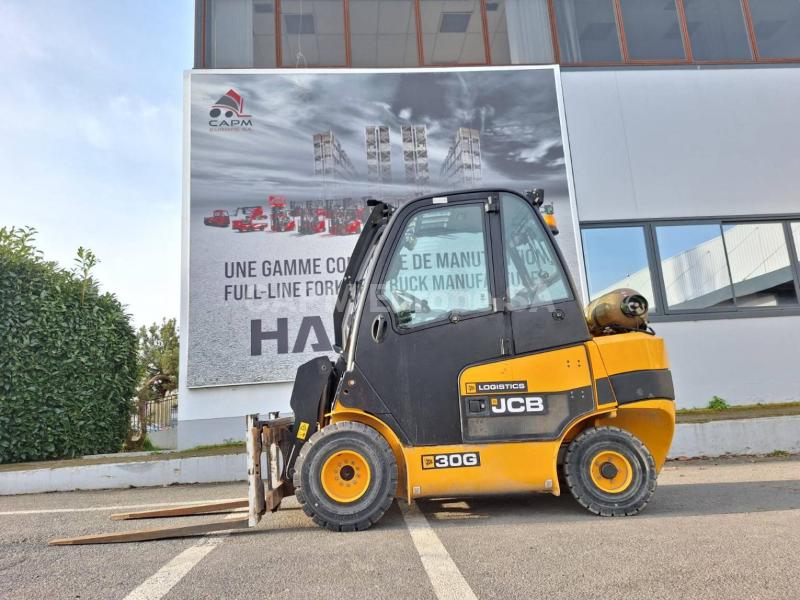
<point>515,111</point>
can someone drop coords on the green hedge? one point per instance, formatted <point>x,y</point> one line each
<point>67,360</point>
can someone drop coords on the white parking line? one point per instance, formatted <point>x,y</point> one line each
<point>447,581</point>
<point>167,577</point>
<point>44,511</point>
<point>170,574</point>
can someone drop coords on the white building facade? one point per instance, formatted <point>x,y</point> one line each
<point>682,124</point>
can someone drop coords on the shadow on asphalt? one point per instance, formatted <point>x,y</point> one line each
<point>680,500</point>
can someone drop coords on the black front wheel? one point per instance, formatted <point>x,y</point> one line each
<point>345,476</point>
<point>610,472</point>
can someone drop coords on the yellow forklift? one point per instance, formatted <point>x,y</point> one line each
<point>466,366</point>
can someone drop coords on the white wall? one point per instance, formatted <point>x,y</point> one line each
<point>680,142</point>
<point>693,142</point>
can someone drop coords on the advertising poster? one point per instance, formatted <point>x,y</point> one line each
<point>282,163</point>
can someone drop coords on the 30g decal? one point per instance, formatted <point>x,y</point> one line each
<point>451,460</point>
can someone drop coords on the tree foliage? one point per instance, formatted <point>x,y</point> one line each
<point>158,359</point>
<point>68,367</point>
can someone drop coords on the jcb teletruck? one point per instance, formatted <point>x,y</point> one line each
<point>466,366</point>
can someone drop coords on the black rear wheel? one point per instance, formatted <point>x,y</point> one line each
<point>345,476</point>
<point>610,472</point>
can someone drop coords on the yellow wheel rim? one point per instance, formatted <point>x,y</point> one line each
<point>611,472</point>
<point>345,476</point>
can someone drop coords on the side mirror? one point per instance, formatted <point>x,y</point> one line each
<point>535,196</point>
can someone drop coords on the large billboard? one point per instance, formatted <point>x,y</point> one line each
<point>281,164</point>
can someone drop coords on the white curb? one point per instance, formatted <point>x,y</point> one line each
<point>716,438</point>
<point>200,469</point>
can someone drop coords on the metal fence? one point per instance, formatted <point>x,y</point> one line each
<point>158,414</point>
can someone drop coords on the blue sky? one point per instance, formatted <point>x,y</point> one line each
<point>90,138</point>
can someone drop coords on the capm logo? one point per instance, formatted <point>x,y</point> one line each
<point>228,114</point>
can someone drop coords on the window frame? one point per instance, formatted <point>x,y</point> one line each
<point>666,314</point>
<point>202,46</point>
<point>398,239</point>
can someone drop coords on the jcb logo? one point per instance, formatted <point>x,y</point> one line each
<point>517,404</point>
<point>449,461</point>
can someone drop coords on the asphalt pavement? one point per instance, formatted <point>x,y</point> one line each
<point>714,529</point>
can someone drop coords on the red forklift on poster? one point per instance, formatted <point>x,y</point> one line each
<point>218,218</point>
<point>344,216</point>
<point>279,218</point>
<point>311,217</point>
<point>249,218</point>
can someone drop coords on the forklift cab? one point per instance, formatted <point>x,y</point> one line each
<point>450,282</point>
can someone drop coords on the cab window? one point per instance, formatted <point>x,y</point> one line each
<point>438,269</point>
<point>534,276</point>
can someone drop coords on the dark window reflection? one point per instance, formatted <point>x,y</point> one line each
<point>717,30</point>
<point>587,31</point>
<point>694,266</point>
<point>759,264</point>
<point>617,257</point>
<point>383,33</point>
<point>652,30</point>
<point>777,26</point>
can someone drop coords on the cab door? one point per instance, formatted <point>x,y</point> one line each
<point>432,309</point>
<point>547,383</point>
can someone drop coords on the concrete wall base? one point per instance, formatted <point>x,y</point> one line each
<point>717,438</point>
<point>737,436</point>
<point>202,432</point>
<point>166,439</point>
<point>203,469</point>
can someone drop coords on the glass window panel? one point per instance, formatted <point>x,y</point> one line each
<point>796,236</point>
<point>228,41</point>
<point>717,30</point>
<point>694,267</point>
<point>587,31</point>
<point>534,276</point>
<point>777,27</point>
<point>383,33</point>
<point>439,266</point>
<point>519,32</point>
<point>452,32</point>
<point>652,30</point>
<point>312,33</point>
<point>616,257</point>
<point>759,264</point>
<point>264,34</point>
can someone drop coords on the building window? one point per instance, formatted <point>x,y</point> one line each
<point>694,267</point>
<point>699,268</point>
<point>229,39</point>
<point>312,33</point>
<point>452,32</point>
<point>587,31</point>
<point>383,33</point>
<point>777,27</point>
<point>264,35</point>
<point>519,32</point>
<point>717,30</point>
<point>616,257</point>
<point>652,30</point>
<point>795,227</point>
<point>759,262</point>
